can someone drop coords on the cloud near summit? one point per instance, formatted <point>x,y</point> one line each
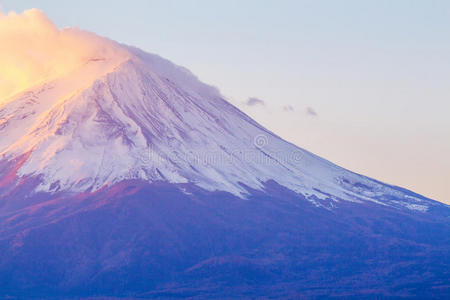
<point>253,101</point>
<point>33,49</point>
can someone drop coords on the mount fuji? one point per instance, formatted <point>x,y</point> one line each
<point>128,177</point>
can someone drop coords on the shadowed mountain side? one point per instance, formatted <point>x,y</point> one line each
<point>163,240</point>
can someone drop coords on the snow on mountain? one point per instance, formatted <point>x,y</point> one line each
<point>143,117</point>
<point>128,177</point>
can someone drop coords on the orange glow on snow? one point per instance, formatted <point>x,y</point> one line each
<point>34,50</point>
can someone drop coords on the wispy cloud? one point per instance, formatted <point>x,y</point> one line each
<point>33,48</point>
<point>253,101</point>
<point>288,108</point>
<point>311,112</point>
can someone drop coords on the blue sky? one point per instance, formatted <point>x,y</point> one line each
<point>376,73</point>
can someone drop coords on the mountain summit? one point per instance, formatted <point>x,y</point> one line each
<point>127,176</point>
<point>145,118</point>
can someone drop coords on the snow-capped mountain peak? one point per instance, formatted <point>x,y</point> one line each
<point>142,117</point>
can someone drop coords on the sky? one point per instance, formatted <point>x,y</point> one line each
<point>364,84</point>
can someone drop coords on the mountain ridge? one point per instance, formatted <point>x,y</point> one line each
<point>133,179</point>
<point>155,117</point>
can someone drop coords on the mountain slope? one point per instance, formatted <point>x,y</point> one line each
<point>148,119</point>
<point>130,177</point>
<point>156,241</point>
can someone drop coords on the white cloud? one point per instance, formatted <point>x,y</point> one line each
<point>33,49</point>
